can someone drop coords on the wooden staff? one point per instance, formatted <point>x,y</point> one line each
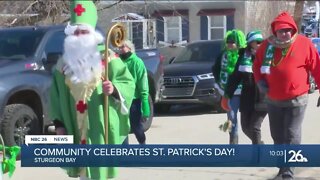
<point>116,35</point>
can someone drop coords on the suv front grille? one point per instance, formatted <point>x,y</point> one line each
<point>178,86</point>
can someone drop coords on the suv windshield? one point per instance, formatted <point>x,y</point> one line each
<point>19,44</point>
<point>200,52</point>
<point>316,43</point>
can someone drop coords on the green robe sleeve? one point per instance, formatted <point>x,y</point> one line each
<point>62,105</point>
<point>54,112</point>
<point>123,81</point>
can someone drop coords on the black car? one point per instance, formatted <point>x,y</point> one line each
<point>188,77</point>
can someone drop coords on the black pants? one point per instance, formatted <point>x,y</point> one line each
<point>251,124</point>
<point>285,128</point>
<point>136,123</point>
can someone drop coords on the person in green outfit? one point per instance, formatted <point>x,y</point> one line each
<point>234,41</point>
<point>140,108</point>
<point>78,90</point>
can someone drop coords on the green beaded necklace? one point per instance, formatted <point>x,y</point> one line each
<point>283,55</point>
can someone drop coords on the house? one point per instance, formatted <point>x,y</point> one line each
<point>169,23</point>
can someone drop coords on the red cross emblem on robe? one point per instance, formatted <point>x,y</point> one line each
<point>81,106</point>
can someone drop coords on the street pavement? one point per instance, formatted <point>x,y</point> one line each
<point>197,125</point>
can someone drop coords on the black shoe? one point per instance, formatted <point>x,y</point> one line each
<point>287,177</point>
<point>288,173</point>
<point>233,139</point>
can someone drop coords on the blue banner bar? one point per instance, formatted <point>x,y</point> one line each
<point>170,156</point>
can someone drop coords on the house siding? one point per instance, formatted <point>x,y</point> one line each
<point>194,27</point>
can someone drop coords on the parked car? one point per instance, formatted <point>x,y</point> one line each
<point>316,43</point>
<point>27,55</point>
<point>311,30</point>
<point>188,77</point>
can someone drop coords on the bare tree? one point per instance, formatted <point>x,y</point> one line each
<point>33,12</point>
<point>17,13</point>
<point>261,18</point>
<point>298,10</point>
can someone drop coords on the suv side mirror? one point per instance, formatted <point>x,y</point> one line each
<point>51,60</point>
<point>171,59</point>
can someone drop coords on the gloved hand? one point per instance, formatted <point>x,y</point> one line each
<point>318,103</point>
<point>145,108</point>
<point>61,131</point>
<point>144,119</point>
<point>225,103</point>
<point>263,86</point>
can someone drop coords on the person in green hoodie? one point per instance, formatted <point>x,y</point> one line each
<point>224,66</point>
<point>140,108</point>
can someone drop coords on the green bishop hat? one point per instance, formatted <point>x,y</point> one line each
<point>84,12</point>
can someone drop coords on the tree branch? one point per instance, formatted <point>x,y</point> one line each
<point>110,6</point>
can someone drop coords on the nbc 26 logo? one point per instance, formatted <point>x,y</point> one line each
<point>296,156</point>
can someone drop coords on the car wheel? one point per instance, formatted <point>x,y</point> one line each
<point>18,120</point>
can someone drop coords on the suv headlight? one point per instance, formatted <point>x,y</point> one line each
<point>205,76</point>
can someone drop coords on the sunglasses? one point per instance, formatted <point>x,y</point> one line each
<point>80,31</point>
<point>285,30</point>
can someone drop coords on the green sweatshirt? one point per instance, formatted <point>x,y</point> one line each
<point>139,73</point>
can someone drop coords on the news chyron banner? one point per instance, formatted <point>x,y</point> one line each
<point>47,151</point>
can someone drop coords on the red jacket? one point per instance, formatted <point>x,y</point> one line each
<point>289,78</point>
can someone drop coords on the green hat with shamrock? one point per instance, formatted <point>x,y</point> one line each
<point>84,12</point>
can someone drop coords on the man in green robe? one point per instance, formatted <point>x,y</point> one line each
<point>78,90</point>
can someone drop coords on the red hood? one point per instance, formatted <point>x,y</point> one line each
<point>283,20</point>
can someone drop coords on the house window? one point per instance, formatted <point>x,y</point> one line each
<point>217,26</point>
<point>172,29</point>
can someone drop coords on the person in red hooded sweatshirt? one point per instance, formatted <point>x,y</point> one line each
<point>281,69</point>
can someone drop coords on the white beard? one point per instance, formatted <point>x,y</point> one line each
<point>82,58</point>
